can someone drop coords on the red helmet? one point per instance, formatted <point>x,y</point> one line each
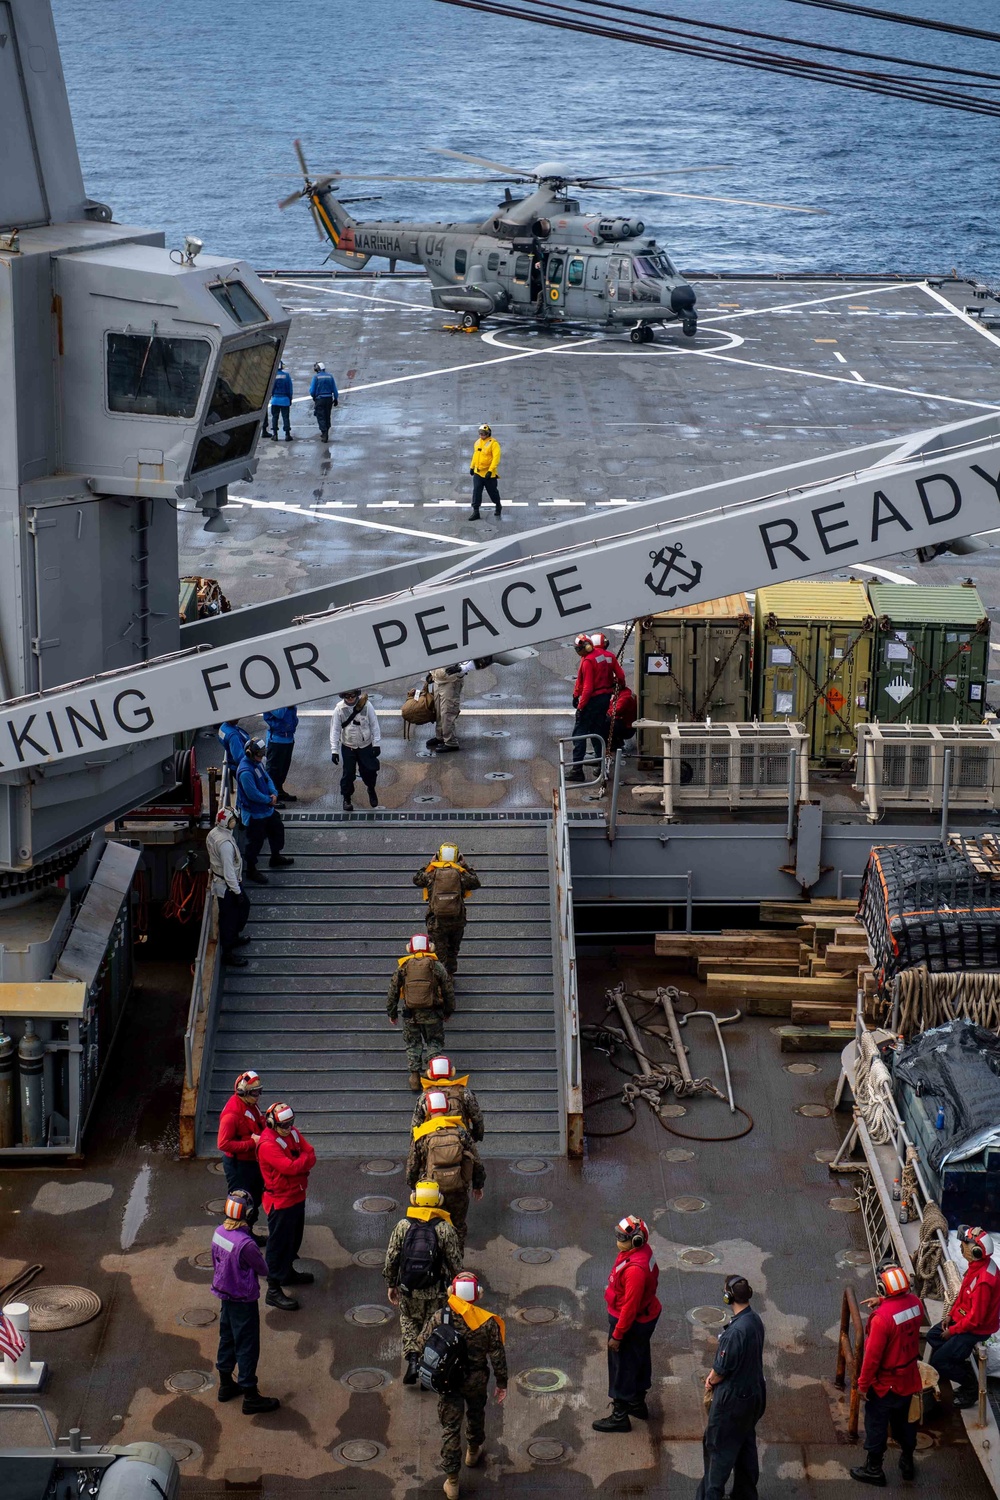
<point>437,1103</point>
<point>893,1280</point>
<point>248,1085</point>
<point>466,1286</point>
<point>419,943</point>
<point>633,1229</point>
<point>979,1241</point>
<point>583,645</point>
<point>280,1116</point>
<point>440,1067</point>
<point>600,640</point>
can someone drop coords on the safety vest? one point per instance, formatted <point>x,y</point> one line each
<point>439,1122</point>
<point>474,1317</point>
<point>425,1215</point>
<point>444,1084</point>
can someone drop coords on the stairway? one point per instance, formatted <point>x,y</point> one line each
<point>309,1011</point>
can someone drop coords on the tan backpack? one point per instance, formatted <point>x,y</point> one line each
<point>419,984</point>
<point>446,898</point>
<point>418,708</point>
<point>447,1162</point>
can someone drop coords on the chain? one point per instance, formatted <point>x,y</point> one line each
<point>959,651</point>
<point>737,637</point>
<point>821,691</point>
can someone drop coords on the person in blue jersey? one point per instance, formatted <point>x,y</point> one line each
<point>281,404</point>
<point>234,739</point>
<point>323,391</point>
<point>256,800</point>
<point>281,726</point>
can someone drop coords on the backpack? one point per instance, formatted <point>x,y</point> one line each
<point>418,709</point>
<point>420,1258</point>
<point>419,987</point>
<point>444,1364</point>
<point>446,893</point>
<point>446,1159</point>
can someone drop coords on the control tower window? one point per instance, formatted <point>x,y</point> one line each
<point>225,447</point>
<point>238,303</point>
<point>243,382</point>
<point>150,376</point>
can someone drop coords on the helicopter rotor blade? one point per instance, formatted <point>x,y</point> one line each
<point>482,161</point>
<point>642,192</point>
<point>301,156</point>
<point>317,220</point>
<point>292,198</point>
<point>636,176</point>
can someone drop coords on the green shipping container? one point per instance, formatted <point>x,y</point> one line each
<point>693,664</point>
<point>812,661</point>
<point>932,651</point>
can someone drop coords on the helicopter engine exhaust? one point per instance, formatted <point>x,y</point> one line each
<point>620,229</point>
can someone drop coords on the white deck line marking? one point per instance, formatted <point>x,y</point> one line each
<point>371,299</point>
<point>389,504</point>
<point>860,378</point>
<point>841,357</point>
<point>324,515</point>
<point>881,573</point>
<point>872,385</point>
<point>757,312</point>
<point>957,312</point>
<point>482,713</point>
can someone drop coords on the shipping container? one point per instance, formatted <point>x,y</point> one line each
<point>812,661</point>
<point>693,664</point>
<point>931,654</point>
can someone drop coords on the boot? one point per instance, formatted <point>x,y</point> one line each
<point>280,861</point>
<point>447,749</point>
<point>451,1487</point>
<point>473,1455</point>
<point>412,1366</point>
<point>575,775</point>
<point>289,438</point>
<point>299,1278</point>
<point>639,1409</point>
<point>616,1420</point>
<point>372,797</point>
<point>496,510</point>
<point>241,941</point>
<point>228,1389</point>
<point>348,805</point>
<point>256,1405</point>
<point>287,796</point>
<point>255,876</point>
<point>433,742</point>
<point>276,1298</point>
<point>414,1081</point>
<point>907,1468</point>
<point>871,1471</point>
<point>235,960</point>
<point>473,517</point>
<point>965,1396</point>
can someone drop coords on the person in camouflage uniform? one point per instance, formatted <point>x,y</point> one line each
<point>455,1200</point>
<point>441,1075</point>
<point>446,932</point>
<point>416,1304</point>
<point>484,1340</point>
<point>423,1029</point>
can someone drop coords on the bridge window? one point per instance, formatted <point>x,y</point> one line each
<point>461,261</point>
<point>225,447</point>
<point>243,382</point>
<point>238,303</point>
<point>149,376</point>
<point>574,274</point>
<point>494,260</point>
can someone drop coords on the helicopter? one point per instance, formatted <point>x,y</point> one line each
<point>536,257</point>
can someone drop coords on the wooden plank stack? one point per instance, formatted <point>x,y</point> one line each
<point>806,964</point>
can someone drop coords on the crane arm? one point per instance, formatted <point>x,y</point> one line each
<point>684,559</point>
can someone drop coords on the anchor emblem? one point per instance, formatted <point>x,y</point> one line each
<point>666,559</point>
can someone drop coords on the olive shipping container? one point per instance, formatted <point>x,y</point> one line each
<point>931,654</point>
<point>812,661</point>
<point>693,664</point>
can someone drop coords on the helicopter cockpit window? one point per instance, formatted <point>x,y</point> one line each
<point>648,267</point>
<point>554,269</point>
<point>522,268</point>
<point>461,261</point>
<point>243,382</point>
<point>574,273</point>
<point>493,261</point>
<point>150,376</point>
<point>666,264</point>
<point>238,303</point>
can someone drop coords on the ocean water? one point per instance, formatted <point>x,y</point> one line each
<point>185,112</point>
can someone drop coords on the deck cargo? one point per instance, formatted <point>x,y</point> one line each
<point>693,664</point>
<point>931,654</point>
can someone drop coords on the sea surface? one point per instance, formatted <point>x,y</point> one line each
<point>185,112</point>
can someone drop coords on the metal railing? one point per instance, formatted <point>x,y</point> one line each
<point>208,922</point>
<point>569,998</point>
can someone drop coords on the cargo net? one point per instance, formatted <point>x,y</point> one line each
<point>931,905</point>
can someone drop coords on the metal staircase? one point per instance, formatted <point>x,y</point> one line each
<point>309,1011</point>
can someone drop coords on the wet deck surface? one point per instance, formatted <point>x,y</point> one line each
<point>766,1214</point>
<point>780,371</point>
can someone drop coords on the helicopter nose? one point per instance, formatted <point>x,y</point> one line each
<point>682,299</point>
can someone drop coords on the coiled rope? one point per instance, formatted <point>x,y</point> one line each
<point>927,1000</point>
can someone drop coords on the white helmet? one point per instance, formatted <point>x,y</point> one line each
<point>437,1103</point>
<point>419,943</point>
<point>440,1067</point>
<point>466,1285</point>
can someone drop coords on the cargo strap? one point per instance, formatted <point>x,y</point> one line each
<point>743,625</point>
<point>821,691</point>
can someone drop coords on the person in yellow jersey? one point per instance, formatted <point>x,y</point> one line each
<point>423,1257</point>
<point>462,1383</point>
<point>447,880</point>
<point>442,1150</point>
<point>485,469</point>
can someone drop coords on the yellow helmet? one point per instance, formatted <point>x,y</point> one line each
<point>448,854</point>
<point>427,1195</point>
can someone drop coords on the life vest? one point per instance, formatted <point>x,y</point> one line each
<point>474,1317</point>
<point>437,1122</point>
<point>425,1215</point>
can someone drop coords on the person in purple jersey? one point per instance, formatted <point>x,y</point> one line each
<point>237,1266</point>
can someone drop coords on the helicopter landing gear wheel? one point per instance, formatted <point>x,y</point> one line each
<point>648,333</point>
<point>470,320</point>
<point>638,335</point>
<point>690,327</point>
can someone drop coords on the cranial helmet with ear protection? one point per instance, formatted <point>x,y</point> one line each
<point>893,1281</point>
<point>632,1229</point>
<point>466,1286</point>
<point>981,1244</point>
<point>280,1117</point>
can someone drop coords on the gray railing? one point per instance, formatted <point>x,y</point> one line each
<point>208,926</point>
